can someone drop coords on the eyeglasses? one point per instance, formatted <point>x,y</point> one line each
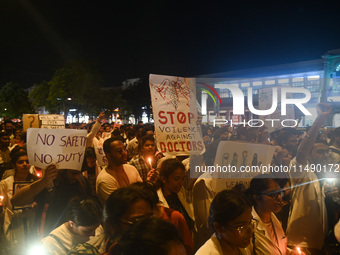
<point>275,194</point>
<point>242,230</point>
<point>136,219</point>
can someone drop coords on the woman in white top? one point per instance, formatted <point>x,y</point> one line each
<point>266,196</point>
<point>230,219</point>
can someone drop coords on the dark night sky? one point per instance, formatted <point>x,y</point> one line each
<point>131,39</point>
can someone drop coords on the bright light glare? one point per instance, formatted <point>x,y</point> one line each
<point>330,180</point>
<point>37,249</point>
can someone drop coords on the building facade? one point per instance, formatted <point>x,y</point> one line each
<point>320,76</point>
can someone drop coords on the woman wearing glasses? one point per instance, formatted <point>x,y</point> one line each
<point>266,195</point>
<point>230,219</point>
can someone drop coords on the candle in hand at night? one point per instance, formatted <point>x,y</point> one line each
<point>149,159</point>
<point>298,249</point>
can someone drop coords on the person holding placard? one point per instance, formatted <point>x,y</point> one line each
<point>52,193</point>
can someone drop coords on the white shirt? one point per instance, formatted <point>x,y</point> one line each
<point>66,241</point>
<point>307,222</point>
<point>213,247</point>
<point>106,183</point>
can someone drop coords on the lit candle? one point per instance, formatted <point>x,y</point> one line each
<point>1,199</point>
<point>298,249</point>
<point>149,159</point>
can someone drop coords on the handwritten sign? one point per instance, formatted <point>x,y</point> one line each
<point>30,121</point>
<point>175,115</point>
<point>52,121</point>
<point>100,155</point>
<point>64,147</point>
<point>238,162</point>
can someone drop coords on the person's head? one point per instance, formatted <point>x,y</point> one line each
<point>115,132</point>
<point>9,126</point>
<point>90,157</point>
<point>172,174</point>
<point>319,152</point>
<point>152,194</point>
<point>115,151</point>
<point>230,218</point>
<point>147,145</point>
<point>147,130</point>
<point>19,160</point>
<point>124,207</point>
<point>265,193</point>
<point>289,139</point>
<point>151,236</point>
<point>99,134</point>
<point>20,138</point>
<point>84,216</point>
<point>4,139</point>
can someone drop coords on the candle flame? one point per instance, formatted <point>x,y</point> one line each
<point>149,161</point>
<point>298,249</point>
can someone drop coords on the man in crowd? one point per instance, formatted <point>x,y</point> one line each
<point>307,222</point>
<point>147,151</point>
<point>52,193</point>
<point>117,173</point>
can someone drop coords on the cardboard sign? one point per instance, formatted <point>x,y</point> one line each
<point>52,121</point>
<point>175,115</point>
<point>63,147</point>
<point>30,121</point>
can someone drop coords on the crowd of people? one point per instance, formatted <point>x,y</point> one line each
<point>144,202</point>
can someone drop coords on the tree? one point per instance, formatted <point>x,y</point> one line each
<point>14,101</point>
<point>77,85</point>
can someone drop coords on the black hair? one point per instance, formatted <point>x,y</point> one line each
<point>151,236</point>
<point>167,167</point>
<point>117,205</point>
<point>285,133</point>
<point>149,188</point>
<point>90,153</point>
<point>16,153</point>
<point>107,144</point>
<point>227,206</point>
<point>144,139</point>
<point>259,184</point>
<point>84,212</point>
<point>147,128</point>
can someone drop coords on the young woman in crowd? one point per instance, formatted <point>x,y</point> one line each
<point>171,192</point>
<point>230,220</point>
<point>84,216</point>
<point>266,195</point>
<point>18,221</point>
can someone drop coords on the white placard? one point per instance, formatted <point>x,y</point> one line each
<point>175,115</point>
<point>63,147</point>
<point>248,159</point>
<point>100,155</point>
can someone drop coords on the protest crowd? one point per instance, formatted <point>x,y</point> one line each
<point>138,200</point>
